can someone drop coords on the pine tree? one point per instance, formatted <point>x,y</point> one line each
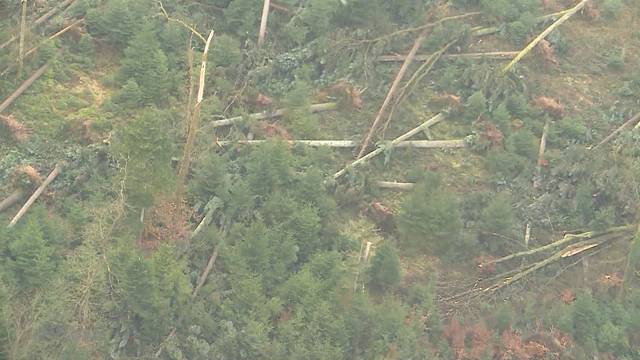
<point>30,257</point>
<point>384,273</point>
<point>145,63</point>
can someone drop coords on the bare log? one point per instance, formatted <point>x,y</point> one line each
<point>23,33</point>
<point>544,34</point>
<point>56,171</point>
<point>50,38</point>
<point>379,150</point>
<point>263,22</point>
<point>41,20</point>
<point>479,55</point>
<point>25,85</point>
<point>394,87</point>
<point>617,131</point>
<point>265,115</point>
<point>207,270</point>
<point>565,239</point>
<point>392,185</point>
<point>420,144</point>
<point>11,200</point>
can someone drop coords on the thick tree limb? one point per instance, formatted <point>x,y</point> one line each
<point>617,131</point>
<point>263,22</point>
<point>379,150</point>
<point>25,85</point>
<point>544,34</point>
<point>11,200</point>
<point>480,55</point>
<point>56,171</point>
<point>265,115</point>
<point>421,144</point>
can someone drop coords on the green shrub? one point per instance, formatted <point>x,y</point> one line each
<point>523,143</point>
<point>612,8</point>
<point>496,221</point>
<point>429,218</point>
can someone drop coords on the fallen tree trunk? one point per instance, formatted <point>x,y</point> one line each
<point>41,20</point>
<point>207,270</point>
<point>263,22</point>
<point>50,38</point>
<point>479,55</point>
<point>56,171</point>
<point>392,91</point>
<point>617,131</point>
<point>420,144</point>
<point>399,139</point>
<point>484,31</point>
<point>392,185</point>
<point>565,239</point>
<point>25,85</point>
<point>11,200</point>
<point>270,115</point>
<point>568,14</point>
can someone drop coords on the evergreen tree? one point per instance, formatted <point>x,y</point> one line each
<point>146,64</point>
<point>429,218</point>
<point>30,258</point>
<point>496,220</point>
<point>384,273</point>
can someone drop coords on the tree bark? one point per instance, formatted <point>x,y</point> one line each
<point>56,171</point>
<point>25,85</point>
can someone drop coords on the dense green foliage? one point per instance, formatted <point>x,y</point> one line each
<point>262,254</point>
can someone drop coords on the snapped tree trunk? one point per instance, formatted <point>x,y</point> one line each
<point>270,115</point>
<point>24,86</point>
<point>420,144</point>
<point>23,33</point>
<point>263,22</point>
<point>56,171</point>
<point>11,200</point>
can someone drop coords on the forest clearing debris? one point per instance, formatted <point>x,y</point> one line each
<point>16,130</point>
<point>421,144</point>
<point>549,106</point>
<point>427,57</point>
<point>543,35</point>
<point>36,194</point>
<point>330,106</point>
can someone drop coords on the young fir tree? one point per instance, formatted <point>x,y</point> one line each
<point>145,63</point>
<point>429,218</point>
<point>384,273</point>
<point>30,257</point>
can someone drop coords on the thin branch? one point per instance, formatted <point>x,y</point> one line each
<point>193,31</point>
<point>422,27</point>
